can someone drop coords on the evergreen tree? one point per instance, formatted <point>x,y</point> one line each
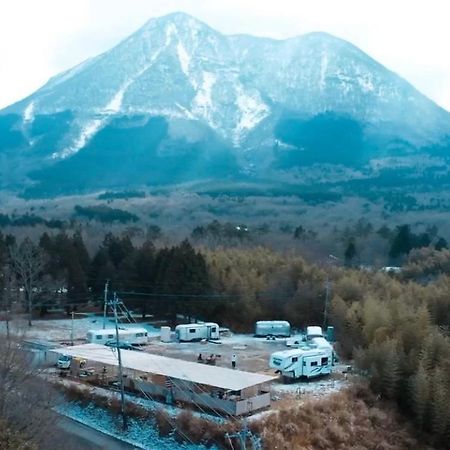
<point>402,243</point>
<point>420,396</point>
<point>350,253</point>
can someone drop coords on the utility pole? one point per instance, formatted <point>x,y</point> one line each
<point>7,298</point>
<point>327,299</point>
<point>119,358</point>
<point>242,437</point>
<point>71,328</point>
<point>105,303</point>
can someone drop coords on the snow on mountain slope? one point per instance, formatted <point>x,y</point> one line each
<point>228,82</point>
<point>239,87</point>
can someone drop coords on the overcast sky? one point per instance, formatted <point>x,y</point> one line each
<point>39,38</point>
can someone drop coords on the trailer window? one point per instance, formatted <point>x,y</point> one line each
<point>192,330</point>
<point>313,363</point>
<point>295,359</point>
<point>139,334</point>
<point>324,361</point>
<point>99,336</point>
<point>213,330</point>
<point>110,336</point>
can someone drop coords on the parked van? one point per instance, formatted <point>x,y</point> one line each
<point>134,336</point>
<point>197,331</point>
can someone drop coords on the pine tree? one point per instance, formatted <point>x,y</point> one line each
<point>390,369</point>
<point>420,396</point>
<point>440,404</point>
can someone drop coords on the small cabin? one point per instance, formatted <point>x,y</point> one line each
<point>264,328</point>
<point>197,331</point>
<point>134,336</point>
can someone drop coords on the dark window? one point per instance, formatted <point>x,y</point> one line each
<point>139,334</point>
<point>213,330</point>
<point>192,330</point>
<point>313,363</point>
<point>110,336</point>
<point>294,359</point>
<point>324,361</point>
<point>99,336</point>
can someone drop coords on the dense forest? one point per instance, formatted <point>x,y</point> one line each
<point>395,327</point>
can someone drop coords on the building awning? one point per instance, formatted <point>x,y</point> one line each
<point>219,377</point>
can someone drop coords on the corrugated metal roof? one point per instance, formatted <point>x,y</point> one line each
<point>219,377</point>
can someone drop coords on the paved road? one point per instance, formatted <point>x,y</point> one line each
<point>85,438</point>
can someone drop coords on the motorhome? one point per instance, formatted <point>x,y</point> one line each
<point>134,336</point>
<point>312,332</point>
<point>264,328</point>
<point>197,331</point>
<point>307,361</point>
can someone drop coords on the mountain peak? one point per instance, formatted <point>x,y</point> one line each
<point>179,19</point>
<point>178,84</point>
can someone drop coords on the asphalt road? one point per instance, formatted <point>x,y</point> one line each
<point>82,437</point>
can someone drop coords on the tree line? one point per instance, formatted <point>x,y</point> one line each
<point>395,327</point>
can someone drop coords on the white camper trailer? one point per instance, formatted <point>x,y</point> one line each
<point>265,328</point>
<point>197,331</point>
<point>312,332</point>
<point>134,336</point>
<point>307,361</point>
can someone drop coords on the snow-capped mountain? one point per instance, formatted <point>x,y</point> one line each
<point>178,101</point>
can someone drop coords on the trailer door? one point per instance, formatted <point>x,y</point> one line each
<point>311,366</point>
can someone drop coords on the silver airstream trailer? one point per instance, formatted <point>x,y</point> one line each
<point>264,328</point>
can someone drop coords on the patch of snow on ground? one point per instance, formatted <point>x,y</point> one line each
<point>116,102</point>
<point>252,110</point>
<point>170,31</point>
<point>113,107</point>
<point>60,330</point>
<point>28,114</point>
<point>323,70</point>
<point>86,133</point>
<point>202,103</point>
<point>141,434</point>
<point>366,83</point>
<point>316,388</point>
<point>184,58</point>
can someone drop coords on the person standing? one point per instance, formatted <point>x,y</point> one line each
<point>233,361</point>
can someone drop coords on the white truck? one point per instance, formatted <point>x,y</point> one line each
<point>309,361</point>
<point>133,336</point>
<point>63,362</point>
<point>197,331</point>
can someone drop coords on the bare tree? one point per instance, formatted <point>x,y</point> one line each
<point>6,297</point>
<point>27,262</point>
<point>26,400</point>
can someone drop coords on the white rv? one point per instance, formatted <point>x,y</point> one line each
<point>312,332</point>
<point>307,361</point>
<point>265,328</point>
<point>134,336</point>
<point>197,331</point>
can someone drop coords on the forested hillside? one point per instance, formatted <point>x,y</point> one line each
<point>395,327</point>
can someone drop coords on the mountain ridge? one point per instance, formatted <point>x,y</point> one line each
<point>245,96</point>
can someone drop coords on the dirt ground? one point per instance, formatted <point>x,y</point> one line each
<point>252,353</point>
